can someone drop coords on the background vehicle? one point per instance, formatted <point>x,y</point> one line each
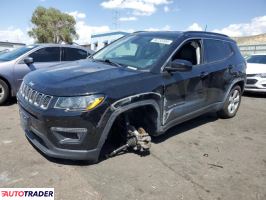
<point>256,73</point>
<point>14,65</point>
<point>146,81</point>
<point>4,51</point>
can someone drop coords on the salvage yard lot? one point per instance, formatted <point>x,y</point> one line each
<point>205,158</point>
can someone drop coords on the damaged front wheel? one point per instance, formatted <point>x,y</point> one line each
<point>137,140</point>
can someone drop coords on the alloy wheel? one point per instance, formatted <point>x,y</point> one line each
<point>2,91</point>
<point>234,100</point>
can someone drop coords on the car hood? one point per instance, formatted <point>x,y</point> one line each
<point>78,78</point>
<point>254,68</point>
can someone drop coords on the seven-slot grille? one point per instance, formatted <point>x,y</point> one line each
<point>36,98</point>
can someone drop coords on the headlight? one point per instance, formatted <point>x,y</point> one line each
<point>80,103</point>
<point>263,75</point>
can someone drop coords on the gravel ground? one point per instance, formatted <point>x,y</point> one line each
<point>205,158</point>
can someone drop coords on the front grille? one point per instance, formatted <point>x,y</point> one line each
<point>34,97</point>
<point>251,81</point>
<point>251,75</point>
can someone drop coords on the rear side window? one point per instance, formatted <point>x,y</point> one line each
<point>47,54</point>
<point>216,50</point>
<point>71,54</point>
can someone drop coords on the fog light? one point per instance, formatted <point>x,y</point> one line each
<point>69,135</point>
<point>69,130</point>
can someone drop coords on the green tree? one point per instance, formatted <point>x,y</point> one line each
<point>52,26</point>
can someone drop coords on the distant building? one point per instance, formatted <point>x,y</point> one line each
<point>8,46</point>
<point>99,41</point>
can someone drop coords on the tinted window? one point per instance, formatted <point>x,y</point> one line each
<point>216,50</point>
<point>15,53</point>
<point>260,59</point>
<point>48,54</point>
<point>71,54</point>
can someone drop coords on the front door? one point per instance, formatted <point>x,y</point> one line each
<point>186,92</point>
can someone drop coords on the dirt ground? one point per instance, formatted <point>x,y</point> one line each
<point>205,158</point>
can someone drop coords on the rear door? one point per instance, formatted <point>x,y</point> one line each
<point>43,57</point>
<point>219,60</point>
<point>72,54</point>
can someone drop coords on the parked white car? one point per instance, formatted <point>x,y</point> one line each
<point>256,73</point>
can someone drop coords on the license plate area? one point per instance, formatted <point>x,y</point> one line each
<point>24,120</point>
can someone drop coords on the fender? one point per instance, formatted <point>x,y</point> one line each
<point>232,85</point>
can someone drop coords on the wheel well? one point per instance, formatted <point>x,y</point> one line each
<point>144,116</point>
<point>241,84</point>
<point>8,84</point>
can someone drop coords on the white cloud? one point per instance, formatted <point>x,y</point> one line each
<point>165,28</point>
<point>127,19</point>
<point>166,9</point>
<point>85,31</point>
<point>77,15</point>
<point>195,27</point>
<point>256,26</point>
<point>139,7</point>
<point>13,34</point>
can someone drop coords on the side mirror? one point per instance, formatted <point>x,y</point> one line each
<point>179,65</point>
<point>28,60</point>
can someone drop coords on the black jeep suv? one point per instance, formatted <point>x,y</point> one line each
<point>153,80</point>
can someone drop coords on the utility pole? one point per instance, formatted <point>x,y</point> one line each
<point>116,17</point>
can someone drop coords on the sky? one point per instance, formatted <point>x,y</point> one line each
<point>231,17</point>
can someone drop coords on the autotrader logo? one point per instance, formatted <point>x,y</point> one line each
<point>26,193</point>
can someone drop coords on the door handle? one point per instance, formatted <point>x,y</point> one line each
<point>203,74</point>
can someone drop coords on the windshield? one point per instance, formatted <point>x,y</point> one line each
<point>260,59</point>
<point>15,53</point>
<point>136,51</point>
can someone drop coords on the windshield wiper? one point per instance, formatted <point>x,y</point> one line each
<point>109,62</point>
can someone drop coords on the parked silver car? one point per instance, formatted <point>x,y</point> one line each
<point>14,65</point>
<point>256,73</point>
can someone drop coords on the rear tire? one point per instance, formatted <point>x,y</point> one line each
<point>231,104</point>
<point>4,92</point>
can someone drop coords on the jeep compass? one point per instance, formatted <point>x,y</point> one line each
<point>142,84</point>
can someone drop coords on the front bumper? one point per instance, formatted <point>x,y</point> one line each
<point>38,124</point>
<point>255,84</point>
<point>46,147</point>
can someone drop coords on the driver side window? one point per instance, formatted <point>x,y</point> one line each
<point>190,51</point>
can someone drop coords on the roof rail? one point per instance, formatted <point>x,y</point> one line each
<point>139,31</point>
<point>206,32</point>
